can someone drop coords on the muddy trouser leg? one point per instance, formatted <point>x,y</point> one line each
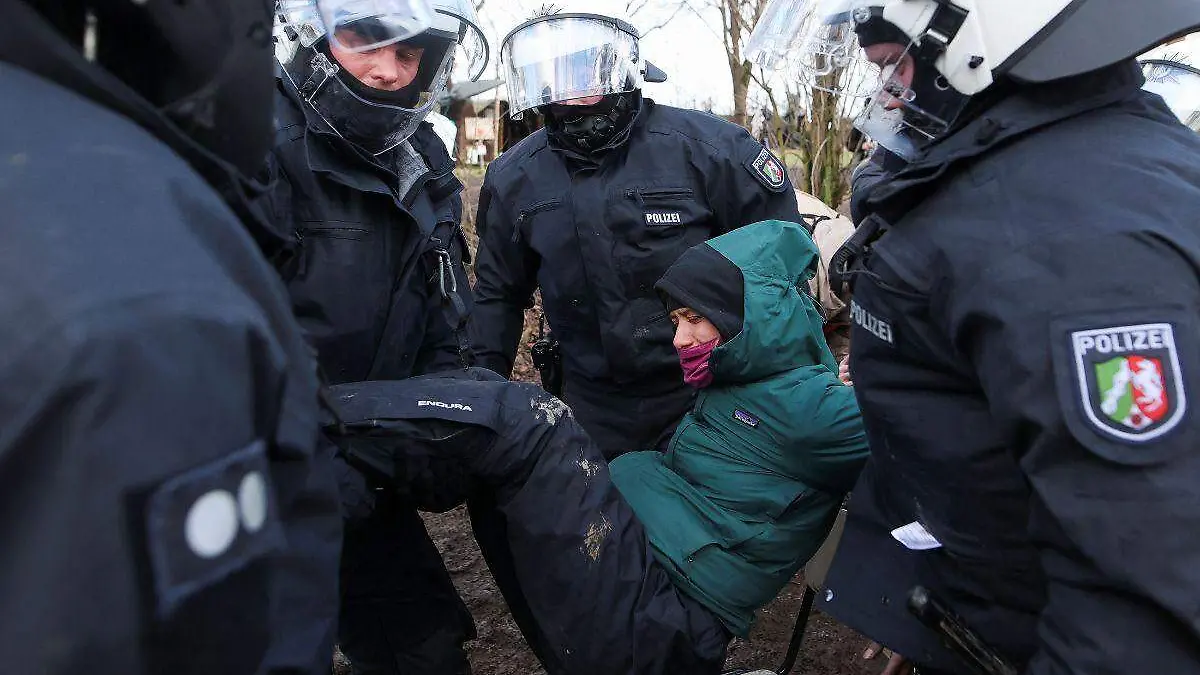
<point>400,613</point>
<point>583,562</point>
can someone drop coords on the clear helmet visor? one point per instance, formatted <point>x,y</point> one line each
<point>377,98</point>
<point>457,18</point>
<point>364,25</point>
<point>1178,84</point>
<point>561,58</point>
<point>375,120</point>
<point>870,65</point>
<point>775,43</point>
<point>810,41</point>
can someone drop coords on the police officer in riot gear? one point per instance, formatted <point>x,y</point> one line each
<point>368,190</point>
<point>593,209</point>
<point>1025,350</point>
<point>167,506</point>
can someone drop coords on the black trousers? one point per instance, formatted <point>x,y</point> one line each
<point>567,551</point>
<point>576,567</point>
<point>400,613</point>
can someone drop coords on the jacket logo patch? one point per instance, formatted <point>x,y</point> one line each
<point>746,418</point>
<point>663,218</point>
<point>1129,381</point>
<point>880,328</point>
<point>445,406</point>
<point>768,170</point>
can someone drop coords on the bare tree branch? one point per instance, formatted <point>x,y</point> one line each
<point>632,7</point>
<point>678,8</point>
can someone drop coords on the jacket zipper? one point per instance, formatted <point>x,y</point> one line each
<point>328,231</point>
<point>659,193</point>
<point>528,213</point>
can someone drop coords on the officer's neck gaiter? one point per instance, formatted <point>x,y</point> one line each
<point>587,128</point>
<point>695,361</point>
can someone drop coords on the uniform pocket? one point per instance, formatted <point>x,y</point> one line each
<point>522,230</point>
<point>663,211</point>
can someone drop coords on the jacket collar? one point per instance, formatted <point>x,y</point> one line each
<point>397,173</point>
<point>622,139</point>
<point>1011,116</point>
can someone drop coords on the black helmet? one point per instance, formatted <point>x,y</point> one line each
<point>204,64</point>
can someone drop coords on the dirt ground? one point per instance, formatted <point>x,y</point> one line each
<point>829,648</point>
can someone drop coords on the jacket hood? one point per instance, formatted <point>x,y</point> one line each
<point>29,42</point>
<point>752,283</point>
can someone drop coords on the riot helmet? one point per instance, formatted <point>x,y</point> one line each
<point>583,72</point>
<point>373,69</point>
<point>205,65</point>
<point>935,56</point>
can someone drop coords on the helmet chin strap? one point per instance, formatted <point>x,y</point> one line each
<point>588,128</point>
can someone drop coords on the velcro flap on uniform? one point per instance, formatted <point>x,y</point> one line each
<point>209,522</point>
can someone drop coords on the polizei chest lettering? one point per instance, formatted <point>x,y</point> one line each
<point>663,218</point>
<point>880,328</point>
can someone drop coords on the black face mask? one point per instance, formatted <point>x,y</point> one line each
<point>588,128</point>
<point>933,94</point>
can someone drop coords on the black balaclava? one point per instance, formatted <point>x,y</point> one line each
<point>589,128</point>
<point>932,92</point>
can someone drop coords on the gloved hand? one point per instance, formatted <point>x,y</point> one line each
<point>357,495</point>
<point>418,461</point>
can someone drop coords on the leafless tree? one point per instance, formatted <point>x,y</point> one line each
<point>738,19</point>
<point>635,7</point>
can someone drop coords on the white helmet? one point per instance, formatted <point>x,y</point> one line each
<point>373,118</point>
<point>1179,85</point>
<point>963,47</point>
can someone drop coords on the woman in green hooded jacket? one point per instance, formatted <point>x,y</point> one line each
<point>754,476</point>
<point>651,564</point>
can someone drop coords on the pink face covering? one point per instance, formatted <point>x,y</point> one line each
<point>695,363</point>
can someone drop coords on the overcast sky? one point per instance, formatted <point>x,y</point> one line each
<point>688,47</point>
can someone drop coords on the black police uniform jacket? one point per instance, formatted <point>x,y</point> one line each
<point>1026,351</point>
<point>158,407</point>
<point>377,282</point>
<point>594,234</point>
<point>368,274</point>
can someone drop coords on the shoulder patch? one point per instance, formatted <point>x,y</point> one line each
<point>1129,381</point>
<point>209,522</point>
<point>768,170</point>
<point>1122,381</point>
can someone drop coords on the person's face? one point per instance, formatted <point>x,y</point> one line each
<point>389,68</point>
<point>897,66</point>
<point>691,329</point>
<point>586,100</point>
